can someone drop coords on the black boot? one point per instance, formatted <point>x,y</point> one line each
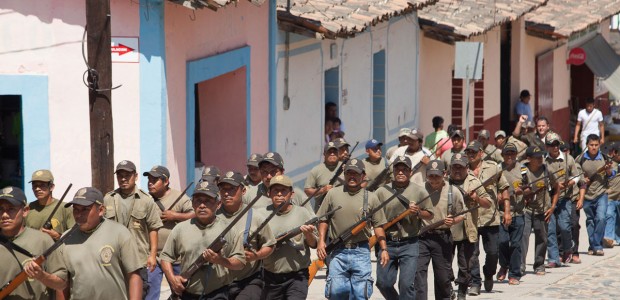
<point>462,295</point>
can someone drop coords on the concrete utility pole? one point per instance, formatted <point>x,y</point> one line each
<point>100,94</point>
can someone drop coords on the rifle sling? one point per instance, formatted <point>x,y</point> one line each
<point>12,246</point>
<point>161,206</point>
<point>248,223</point>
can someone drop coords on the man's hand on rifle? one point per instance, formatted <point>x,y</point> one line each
<point>414,208</point>
<point>52,233</point>
<point>213,257</point>
<point>169,215</point>
<point>320,250</point>
<point>449,221</point>
<point>250,255</point>
<point>33,270</point>
<point>325,189</point>
<point>178,284</point>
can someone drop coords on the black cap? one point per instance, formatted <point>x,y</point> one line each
<point>474,145</point>
<point>355,165</point>
<point>125,165</point>
<point>435,167</point>
<point>403,160</point>
<point>330,145</point>
<point>534,151</point>
<point>459,159</point>
<point>158,172</point>
<point>207,188</point>
<point>86,196</point>
<point>233,178</point>
<point>457,132</point>
<point>341,142</point>
<point>254,159</point>
<point>14,195</point>
<point>273,158</point>
<point>210,173</point>
<point>510,147</point>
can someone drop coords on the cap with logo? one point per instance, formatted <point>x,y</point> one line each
<point>435,167</point>
<point>210,173</point>
<point>328,146</point>
<point>484,134</point>
<point>254,160</point>
<point>404,132</point>
<point>534,151</point>
<point>86,196</point>
<point>206,188</point>
<point>457,132</point>
<point>281,180</point>
<point>273,158</point>
<point>373,144</point>
<point>403,160</point>
<point>158,172</point>
<point>125,165</point>
<point>500,133</point>
<point>42,175</point>
<point>355,165</point>
<point>233,178</point>
<point>510,147</point>
<point>552,137</point>
<point>14,195</point>
<point>474,146</point>
<point>416,134</point>
<point>341,142</point>
<point>459,159</point>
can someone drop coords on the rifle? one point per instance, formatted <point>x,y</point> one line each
<point>216,246</point>
<point>598,172</point>
<point>260,227</point>
<point>374,185</point>
<point>48,223</point>
<point>442,144</point>
<point>352,231</point>
<point>180,196</point>
<point>432,226</point>
<point>297,230</point>
<point>373,239</point>
<point>39,260</point>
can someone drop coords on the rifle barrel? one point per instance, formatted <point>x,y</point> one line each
<point>48,222</point>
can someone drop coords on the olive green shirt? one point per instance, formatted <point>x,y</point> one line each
<point>264,238</point>
<point>350,213</point>
<point>492,153</point>
<point>513,176</point>
<point>439,200</point>
<point>186,243</point>
<point>38,214</point>
<point>411,224</point>
<point>373,169</point>
<point>542,200</point>
<point>490,216</point>
<point>98,262</point>
<point>297,199</point>
<point>183,206</point>
<point>598,181</point>
<point>138,212</point>
<point>468,229</point>
<point>320,176</point>
<point>293,254</point>
<point>566,171</point>
<point>12,262</point>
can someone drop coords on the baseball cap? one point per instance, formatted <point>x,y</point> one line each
<point>459,159</point>
<point>273,158</point>
<point>281,180</point>
<point>474,145</point>
<point>341,142</point>
<point>416,134</point>
<point>233,178</point>
<point>86,196</point>
<point>510,147</point>
<point>14,195</point>
<point>403,160</point>
<point>42,175</point>
<point>404,132</point>
<point>207,188</point>
<point>524,93</point>
<point>373,143</point>
<point>457,132</point>
<point>330,145</point>
<point>435,167</point>
<point>355,165</point>
<point>484,134</point>
<point>210,173</point>
<point>158,171</point>
<point>125,165</point>
<point>500,133</point>
<point>564,146</point>
<point>534,151</point>
<point>254,160</point>
<point>552,137</point>
<point>529,124</point>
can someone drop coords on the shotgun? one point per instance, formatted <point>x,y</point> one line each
<point>48,223</point>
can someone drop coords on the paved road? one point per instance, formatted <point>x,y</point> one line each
<point>595,278</point>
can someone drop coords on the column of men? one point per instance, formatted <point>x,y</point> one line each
<point>249,237</point>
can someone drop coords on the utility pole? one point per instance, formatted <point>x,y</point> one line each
<point>100,94</point>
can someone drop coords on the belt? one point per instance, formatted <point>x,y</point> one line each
<point>437,232</point>
<point>398,239</point>
<point>354,245</point>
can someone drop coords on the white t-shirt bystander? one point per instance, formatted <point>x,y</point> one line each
<point>589,123</point>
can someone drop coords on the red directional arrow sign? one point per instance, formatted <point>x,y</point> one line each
<point>121,49</point>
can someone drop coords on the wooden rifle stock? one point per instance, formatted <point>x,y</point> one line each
<point>48,223</point>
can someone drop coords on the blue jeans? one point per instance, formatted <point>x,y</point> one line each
<point>510,246</point>
<point>349,274</point>
<point>612,220</point>
<point>155,279</point>
<point>403,256</point>
<point>560,218</point>
<point>595,210</point>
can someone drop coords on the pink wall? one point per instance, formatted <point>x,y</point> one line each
<point>211,33</point>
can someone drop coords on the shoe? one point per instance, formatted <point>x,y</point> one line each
<point>501,275</point>
<point>462,294</point>
<point>474,290</point>
<point>608,243</point>
<point>513,281</point>
<point>599,252</point>
<point>541,272</point>
<point>552,265</point>
<point>488,283</point>
<point>567,257</point>
<point>575,259</point>
<point>590,252</point>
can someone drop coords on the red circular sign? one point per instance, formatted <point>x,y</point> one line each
<point>576,56</point>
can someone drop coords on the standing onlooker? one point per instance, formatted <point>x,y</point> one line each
<point>523,106</point>
<point>437,135</point>
<point>612,224</point>
<point>590,121</point>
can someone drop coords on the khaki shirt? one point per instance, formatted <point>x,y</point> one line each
<point>521,147</point>
<point>98,262</point>
<point>419,175</point>
<point>446,157</point>
<point>12,262</point>
<point>320,176</point>
<point>513,176</point>
<point>298,198</point>
<point>38,214</point>
<point>490,216</point>
<point>350,213</point>
<point>264,238</point>
<point>439,201</point>
<point>598,183</point>
<point>373,169</point>
<point>569,170</point>
<point>411,224</point>
<point>542,200</point>
<point>468,229</point>
<point>492,153</point>
<point>186,243</point>
<point>531,139</point>
<point>294,254</point>
<point>138,212</point>
<point>183,206</point>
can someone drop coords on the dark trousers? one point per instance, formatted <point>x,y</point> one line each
<point>404,257</point>
<point>465,253</point>
<point>438,247</point>
<point>219,294</point>
<point>490,238</point>
<point>249,288</point>
<point>536,222</point>
<point>574,220</point>
<point>286,286</point>
<point>510,247</point>
<point>144,274</point>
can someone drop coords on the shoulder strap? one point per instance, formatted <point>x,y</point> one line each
<point>365,205</point>
<point>161,206</point>
<point>12,246</point>
<point>450,202</point>
<point>248,223</point>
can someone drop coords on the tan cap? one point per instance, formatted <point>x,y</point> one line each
<point>42,175</point>
<point>281,180</point>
